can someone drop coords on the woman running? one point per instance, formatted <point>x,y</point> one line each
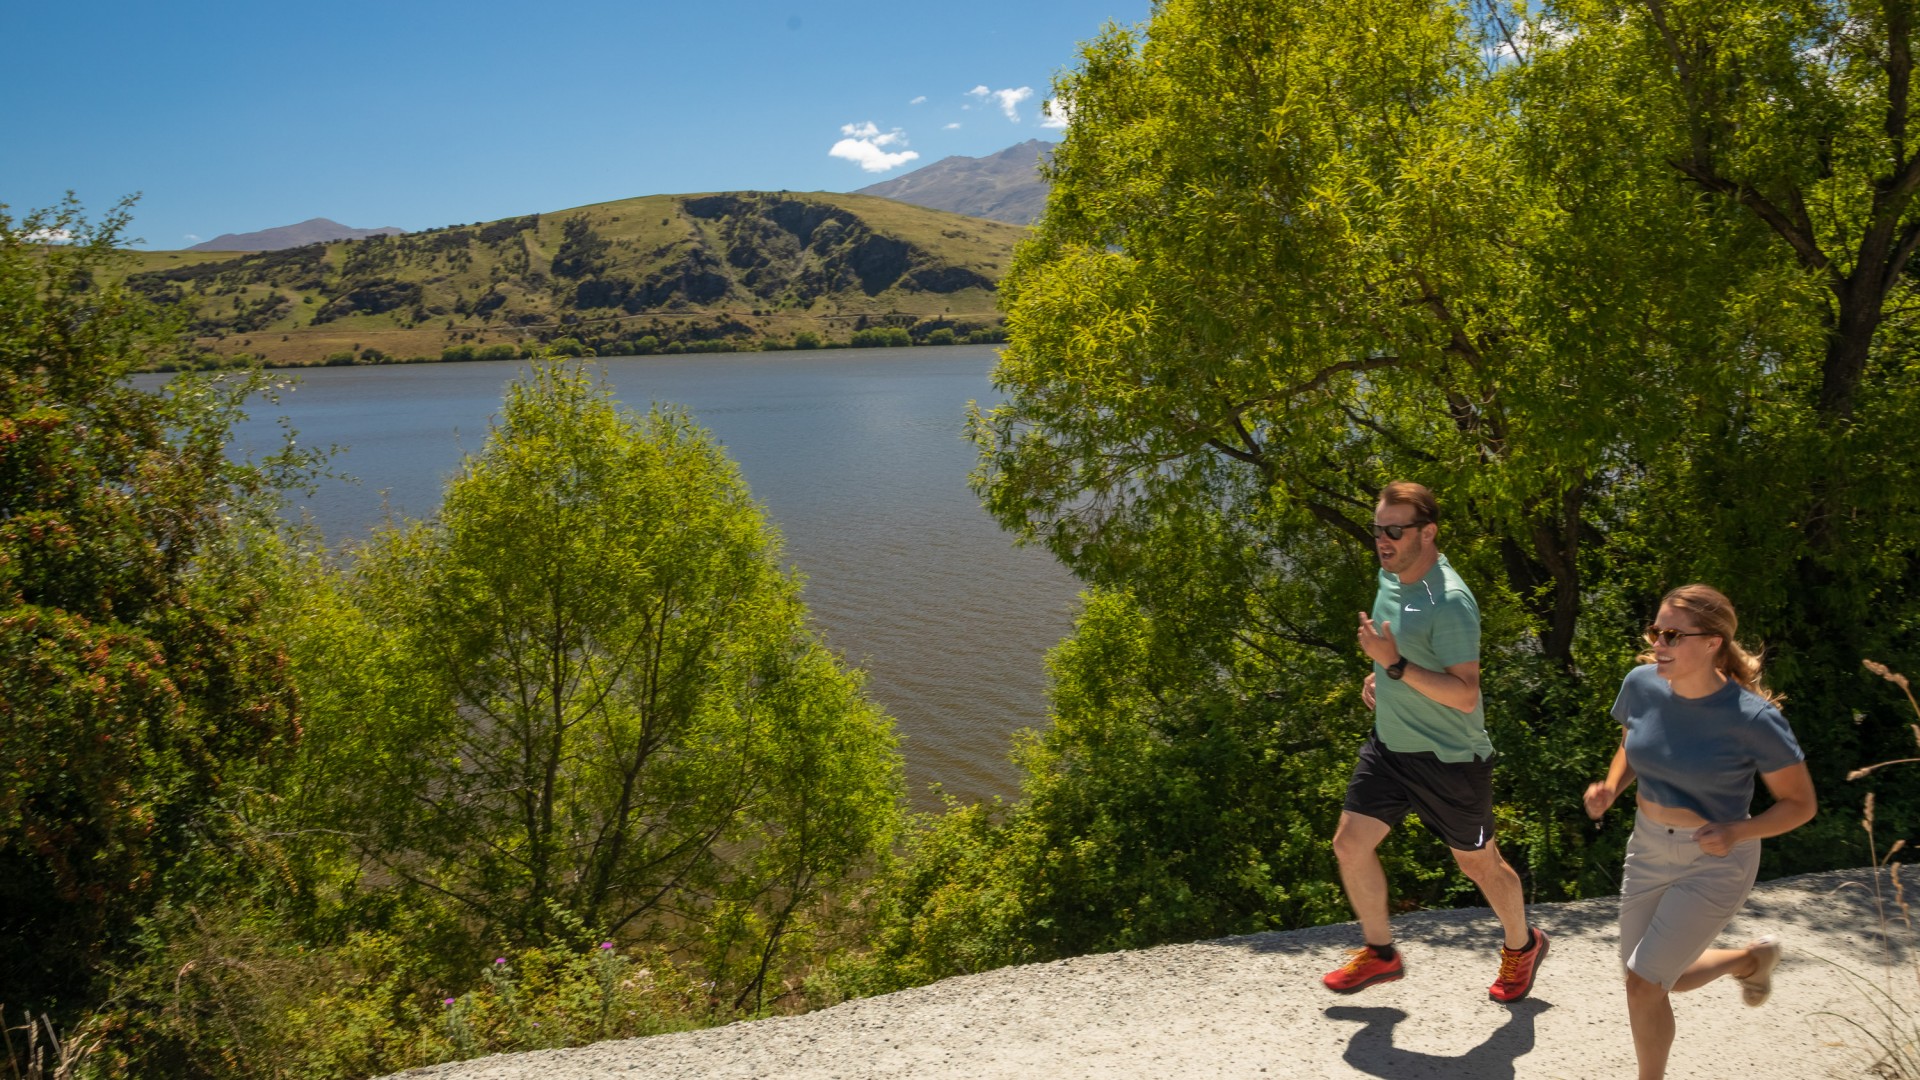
<point>1698,727</point>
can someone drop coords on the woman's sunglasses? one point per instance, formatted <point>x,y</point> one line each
<point>1657,635</point>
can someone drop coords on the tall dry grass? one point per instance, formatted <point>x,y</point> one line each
<point>1891,1029</point>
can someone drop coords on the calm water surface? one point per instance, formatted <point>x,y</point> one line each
<point>859,457</point>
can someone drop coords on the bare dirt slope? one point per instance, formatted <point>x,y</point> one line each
<point>1253,1006</point>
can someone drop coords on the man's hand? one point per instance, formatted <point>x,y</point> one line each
<point>1378,643</point>
<point>1366,690</point>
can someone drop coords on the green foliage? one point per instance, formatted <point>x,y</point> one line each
<point>806,339</point>
<point>588,687</point>
<point>941,336</point>
<point>1156,807</point>
<point>582,250</point>
<point>882,336</point>
<point>235,994</point>
<point>496,351</point>
<point>1294,252</point>
<point>1789,132</point>
<point>141,691</point>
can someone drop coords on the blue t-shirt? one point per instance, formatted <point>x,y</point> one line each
<point>1701,754</point>
<point>1437,624</point>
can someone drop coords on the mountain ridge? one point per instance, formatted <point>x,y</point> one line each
<point>1004,186</point>
<point>317,230</point>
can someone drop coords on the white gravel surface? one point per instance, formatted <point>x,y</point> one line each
<point>1253,1006</point>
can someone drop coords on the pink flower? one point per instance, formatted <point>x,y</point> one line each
<point>606,944</point>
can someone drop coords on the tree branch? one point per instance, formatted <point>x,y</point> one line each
<point>1803,243</point>
<point>1899,73</point>
<point>1897,265</point>
<point>1319,380</point>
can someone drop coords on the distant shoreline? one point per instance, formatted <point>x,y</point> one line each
<point>236,362</point>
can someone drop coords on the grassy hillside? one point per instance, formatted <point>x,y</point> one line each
<point>664,273</point>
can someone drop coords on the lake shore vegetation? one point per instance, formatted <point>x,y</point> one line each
<point>565,761</point>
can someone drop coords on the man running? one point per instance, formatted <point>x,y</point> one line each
<point>1428,752</point>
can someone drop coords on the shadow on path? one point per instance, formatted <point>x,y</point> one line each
<point>1371,1049</point>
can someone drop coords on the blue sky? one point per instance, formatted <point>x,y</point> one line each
<point>232,117</point>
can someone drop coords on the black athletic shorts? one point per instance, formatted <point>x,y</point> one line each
<point>1453,799</point>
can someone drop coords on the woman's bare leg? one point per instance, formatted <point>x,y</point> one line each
<point>1712,964</point>
<point>1651,1015</point>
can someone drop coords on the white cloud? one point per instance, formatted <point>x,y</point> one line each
<point>191,238</point>
<point>1055,113</point>
<point>921,100</point>
<point>1009,100</point>
<point>951,126</point>
<point>50,236</point>
<point>865,144</point>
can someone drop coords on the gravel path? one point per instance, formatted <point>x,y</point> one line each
<point>1253,1006</point>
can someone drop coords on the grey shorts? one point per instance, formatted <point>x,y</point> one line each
<point>1675,899</point>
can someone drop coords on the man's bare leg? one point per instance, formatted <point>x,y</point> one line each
<point>1501,886</point>
<point>1355,844</point>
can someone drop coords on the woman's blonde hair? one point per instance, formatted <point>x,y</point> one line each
<point>1714,613</point>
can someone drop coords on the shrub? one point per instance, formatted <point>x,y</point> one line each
<point>881,336</point>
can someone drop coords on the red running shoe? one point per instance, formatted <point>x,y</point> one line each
<point>1362,970</point>
<point>1517,969</point>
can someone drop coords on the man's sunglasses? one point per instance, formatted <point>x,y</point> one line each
<point>1395,532</point>
<point>1657,635</point>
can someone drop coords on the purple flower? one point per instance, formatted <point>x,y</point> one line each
<point>606,944</point>
<point>499,959</point>
<point>446,1001</point>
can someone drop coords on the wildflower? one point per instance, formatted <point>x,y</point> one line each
<point>446,1001</point>
<point>499,959</point>
<point>606,944</point>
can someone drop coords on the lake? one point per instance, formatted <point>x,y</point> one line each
<point>859,457</point>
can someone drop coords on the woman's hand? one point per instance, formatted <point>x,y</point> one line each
<point>1715,839</point>
<point>1599,797</point>
<point>1366,691</point>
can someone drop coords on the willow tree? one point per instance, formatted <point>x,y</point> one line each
<point>586,693</point>
<point>1292,253</point>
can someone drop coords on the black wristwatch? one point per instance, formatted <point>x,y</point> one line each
<point>1397,669</point>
